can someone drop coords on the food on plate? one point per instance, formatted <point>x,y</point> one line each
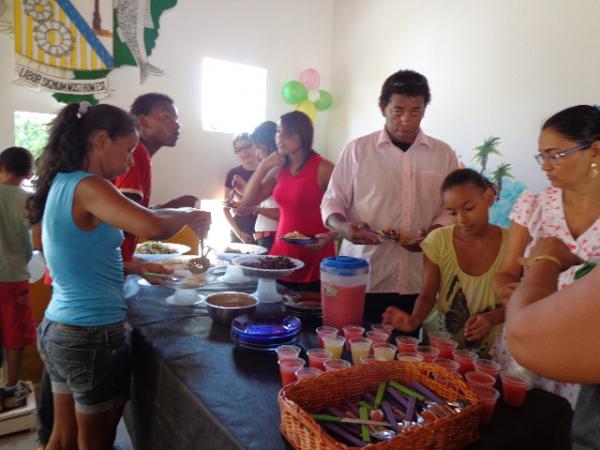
<point>155,248</point>
<point>271,263</point>
<point>295,235</point>
<point>233,250</point>
<point>198,265</point>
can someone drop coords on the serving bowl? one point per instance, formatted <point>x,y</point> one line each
<point>223,307</point>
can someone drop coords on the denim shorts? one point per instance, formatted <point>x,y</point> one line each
<point>93,364</point>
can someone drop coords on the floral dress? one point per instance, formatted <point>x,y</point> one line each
<point>543,215</point>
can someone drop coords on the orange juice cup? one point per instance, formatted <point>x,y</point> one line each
<point>407,344</point>
<point>334,365</point>
<point>307,372</point>
<point>288,369</point>
<point>359,346</point>
<point>368,359</point>
<point>514,387</point>
<point>287,352</point>
<point>487,366</point>
<point>445,346</point>
<point>446,363</point>
<point>352,331</point>
<point>488,397</point>
<point>377,336</point>
<point>434,335</point>
<point>409,357</point>
<point>478,380</point>
<point>383,351</point>
<point>317,357</point>
<point>325,331</point>
<point>384,328</point>
<point>465,360</point>
<point>428,353</point>
<point>334,345</point>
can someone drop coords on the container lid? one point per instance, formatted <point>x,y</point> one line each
<point>343,263</point>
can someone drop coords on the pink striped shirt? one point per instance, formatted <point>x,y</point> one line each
<point>377,183</point>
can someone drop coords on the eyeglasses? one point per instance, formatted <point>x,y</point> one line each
<point>241,148</point>
<point>543,158</point>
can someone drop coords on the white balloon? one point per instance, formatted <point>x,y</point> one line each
<point>314,95</point>
<point>36,266</point>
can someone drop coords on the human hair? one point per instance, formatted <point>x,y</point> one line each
<point>242,137</point>
<point>404,82</point>
<point>142,106</point>
<point>460,177</point>
<point>296,122</point>
<point>17,161</point>
<point>68,145</point>
<point>579,123</point>
<point>264,135</point>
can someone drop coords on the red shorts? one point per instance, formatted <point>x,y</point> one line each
<point>17,324</point>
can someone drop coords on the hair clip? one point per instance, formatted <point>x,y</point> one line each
<point>83,108</point>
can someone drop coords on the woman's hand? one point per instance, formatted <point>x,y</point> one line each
<point>477,327</point>
<point>200,222</point>
<point>139,267</point>
<point>275,159</point>
<point>238,184</point>
<point>323,239</point>
<point>554,247</point>
<point>399,319</point>
<point>245,237</point>
<point>505,292</point>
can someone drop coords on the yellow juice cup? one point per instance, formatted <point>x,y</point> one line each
<point>384,352</point>
<point>334,344</point>
<point>359,347</point>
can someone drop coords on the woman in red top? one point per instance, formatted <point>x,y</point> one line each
<point>297,177</point>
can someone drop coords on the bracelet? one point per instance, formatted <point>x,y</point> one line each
<point>531,261</point>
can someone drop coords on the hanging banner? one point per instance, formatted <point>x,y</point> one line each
<point>35,78</point>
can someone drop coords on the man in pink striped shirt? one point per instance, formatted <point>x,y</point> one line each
<point>390,179</point>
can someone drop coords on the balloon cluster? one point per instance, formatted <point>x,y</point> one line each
<point>306,95</point>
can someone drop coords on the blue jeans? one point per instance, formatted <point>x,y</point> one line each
<point>93,364</point>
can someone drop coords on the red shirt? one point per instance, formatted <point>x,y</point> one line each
<point>137,181</point>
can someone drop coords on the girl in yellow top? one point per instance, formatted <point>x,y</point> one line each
<point>459,264</point>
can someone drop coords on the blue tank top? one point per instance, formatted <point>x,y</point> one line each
<point>86,266</point>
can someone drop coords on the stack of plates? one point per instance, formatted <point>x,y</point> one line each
<point>305,305</point>
<point>264,332</point>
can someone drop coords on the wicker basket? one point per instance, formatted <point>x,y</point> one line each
<point>298,401</point>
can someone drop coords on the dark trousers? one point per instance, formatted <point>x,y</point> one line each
<point>376,304</point>
<point>45,409</point>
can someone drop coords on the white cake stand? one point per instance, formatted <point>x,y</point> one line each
<point>266,291</point>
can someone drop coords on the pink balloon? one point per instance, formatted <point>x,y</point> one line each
<point>310,78</point>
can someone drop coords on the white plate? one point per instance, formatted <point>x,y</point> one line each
<point>245,249</point>
<point>172,301</point>
<point>265,273</point>
<point>180,249</point>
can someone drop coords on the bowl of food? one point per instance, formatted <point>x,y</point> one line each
<point>157,250</point>
<point>223,307</point>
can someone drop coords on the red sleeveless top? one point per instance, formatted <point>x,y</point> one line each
<point>299,199</point>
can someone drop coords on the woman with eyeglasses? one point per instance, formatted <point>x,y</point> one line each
<point>242,225</point>
<point>569,154</point>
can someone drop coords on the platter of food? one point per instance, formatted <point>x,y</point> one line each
<point>157,250</point>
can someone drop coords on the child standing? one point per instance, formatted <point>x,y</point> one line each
<point>459,264</point>
<point>17,326</point>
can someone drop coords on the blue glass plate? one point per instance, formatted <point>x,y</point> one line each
<point>310,240</point>
<point>265,328</point>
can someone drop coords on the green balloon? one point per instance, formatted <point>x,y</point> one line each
<point>294,92</point>
<point>324,102</point>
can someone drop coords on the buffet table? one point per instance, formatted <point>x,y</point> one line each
<point>192,389</point>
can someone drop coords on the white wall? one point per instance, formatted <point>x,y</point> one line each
<point>495,68</point>
<point>284,36</point>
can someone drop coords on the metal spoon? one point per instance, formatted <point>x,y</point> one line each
<point>383,434</point>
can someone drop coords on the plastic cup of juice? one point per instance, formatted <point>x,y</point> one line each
<point>288,369</point>
<point>287,352</point>
<point>352,331</point>
<point>325,331</point>
<point>334,345</point>
<point>333,365</point>
<point>478,380</point>
<point>377,336</point>
<point>409,357</point>
<point>433,335</point>
<point>446,363</point>
<point>407,344</point>
<point>368,359</point>
<point>317,357</point>
<point>488,397</point>
<point>465,360</point>
<point>445,346</point>
<point>384,328</point>
<point>307,372</point>
<point>384,351</point>
<point>359,346</point>
<point>514,387</point>
<point>487,366</point>
<point>428,352</point>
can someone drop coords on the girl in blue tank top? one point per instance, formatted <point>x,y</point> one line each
<point>82,338</point>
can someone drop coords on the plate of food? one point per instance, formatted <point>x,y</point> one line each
<point>233,250</point>
<point>157,250</point>
<point>297,238</point>
<point>266,266</point>
<point>397,237</point>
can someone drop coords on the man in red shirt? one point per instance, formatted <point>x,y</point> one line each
<point>158,127</point>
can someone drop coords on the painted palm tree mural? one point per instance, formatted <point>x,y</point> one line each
<point>498,175</point>
<point>483,152</point>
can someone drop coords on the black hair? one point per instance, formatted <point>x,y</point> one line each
<point>299,123</point>
<point>460,177</point>
<point>264,135</point>
<point>404,82</point>
<point>17,161</point>
<point>68,145</point>
<point>579,123</point>
<point>142,106</point>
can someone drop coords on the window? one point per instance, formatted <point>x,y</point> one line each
<point>32,131</point>
<point>233,96</point>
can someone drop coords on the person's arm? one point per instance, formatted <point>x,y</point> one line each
<point>263,180</point>
<point>271,213</point>
<point>479,326</point>
<point>425,302</point>
<point>244,237</point>
<point>183,201</point>
<point>506,279</point>
<point>555,334</point>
